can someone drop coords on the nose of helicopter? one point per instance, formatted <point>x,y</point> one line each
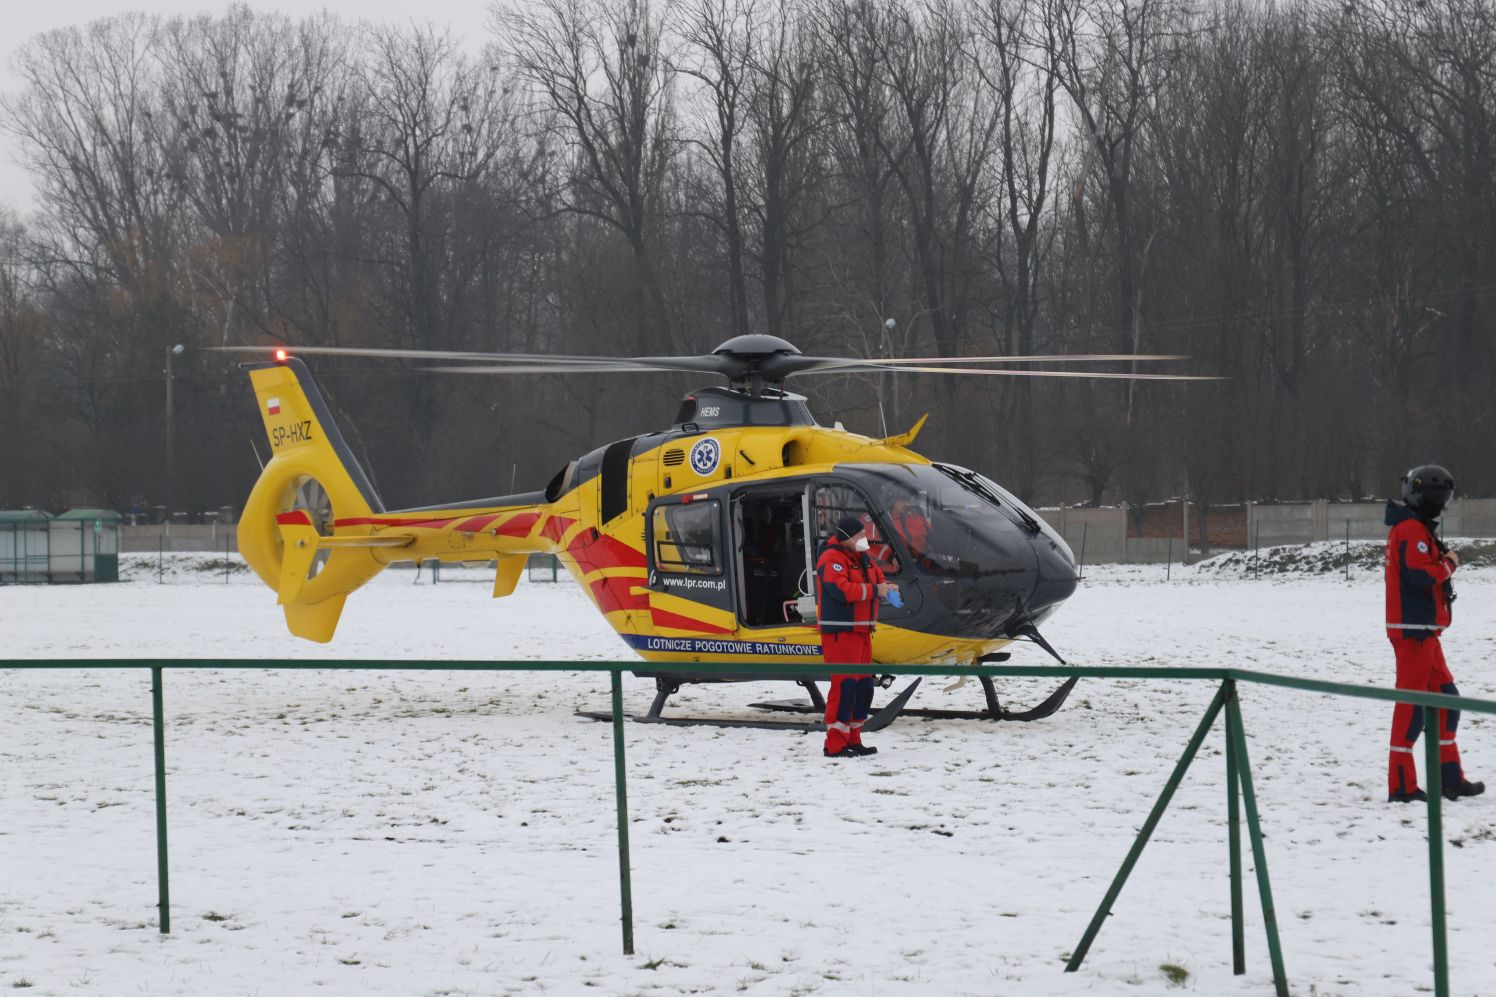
<point>1056,579</point>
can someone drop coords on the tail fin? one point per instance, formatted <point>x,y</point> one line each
<point>311,486</point>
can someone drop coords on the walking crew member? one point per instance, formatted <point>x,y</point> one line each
<point>1419,592</point>
<point>848,587</point>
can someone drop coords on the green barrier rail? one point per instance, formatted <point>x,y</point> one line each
<point>1241,797</point>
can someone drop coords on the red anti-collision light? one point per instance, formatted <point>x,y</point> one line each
<point>280,356</point>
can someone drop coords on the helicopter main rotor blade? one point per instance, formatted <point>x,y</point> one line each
<point>1006,358</point>
<point>1011,372</point>
<point>403,354</point>
<point>519,363</point>
<point>783,366</point>
<point>554,369</point>
<point>770,367</point>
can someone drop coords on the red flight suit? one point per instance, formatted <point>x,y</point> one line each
<point>914,528</point>
<point>847,612</point>
<point>1418,597</point>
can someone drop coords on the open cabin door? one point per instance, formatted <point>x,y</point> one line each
<point>775,553</point>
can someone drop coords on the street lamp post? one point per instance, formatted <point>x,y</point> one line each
<point>171,466</point>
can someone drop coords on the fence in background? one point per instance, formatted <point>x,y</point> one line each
<point>1100,536</point>
<point>213,538</point>
<point>1240,795</point>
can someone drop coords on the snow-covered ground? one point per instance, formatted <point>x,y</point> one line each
<point>453,833</point>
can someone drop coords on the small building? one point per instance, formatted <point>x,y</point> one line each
<point>23,546</point>
<point>83,546</point>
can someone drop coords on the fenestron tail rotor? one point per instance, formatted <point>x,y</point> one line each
<point>308,496</point>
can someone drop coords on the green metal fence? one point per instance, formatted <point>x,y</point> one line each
<point>1240,798</point>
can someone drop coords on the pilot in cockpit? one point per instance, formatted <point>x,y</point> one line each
<point>908,521</point>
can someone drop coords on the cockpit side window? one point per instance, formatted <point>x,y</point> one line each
<point>687,538</point>
<point>835,500</point>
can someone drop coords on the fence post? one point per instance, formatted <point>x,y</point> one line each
<point>1347,550</point>
<point>161,560</point>
<point>1434,787</point>
<point>1256,542</point>
<point>1233,839</point>
<point>225,557</point>
<point>1084,529</point>
<point>1259,852</point>
<point>1169,560</point>
<point>625,884</point>
<point>162,882</point>
<point>1147,832</point>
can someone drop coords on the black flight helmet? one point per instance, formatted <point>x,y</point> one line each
<point>1427,489</point>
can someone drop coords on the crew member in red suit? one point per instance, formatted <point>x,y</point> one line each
<point>879,549</point>
<point>912,526</point>
<point>848,587</point>
<point>1419,594</point>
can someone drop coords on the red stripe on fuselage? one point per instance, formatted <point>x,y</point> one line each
<point>476,524</point>
<point>519,525</point>
<point>606,552</point>
<point>296,517</point>
<point>425,524</point>
<point>615,594</point>
<point>555,528</point>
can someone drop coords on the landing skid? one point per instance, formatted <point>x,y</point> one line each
<point>664,689</point>
<point>994,711</point>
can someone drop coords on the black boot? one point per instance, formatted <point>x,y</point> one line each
<point>1465,788</point>
<point>862,749</point>
<point>843,753</point>
<point>1404,796</point>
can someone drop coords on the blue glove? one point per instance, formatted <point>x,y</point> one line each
<point>895,599</point>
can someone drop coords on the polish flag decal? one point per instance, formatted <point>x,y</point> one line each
<point>273,406</point>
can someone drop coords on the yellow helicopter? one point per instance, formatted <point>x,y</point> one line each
<point>695,542</point>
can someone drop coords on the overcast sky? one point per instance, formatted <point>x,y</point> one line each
<point>26,18</point>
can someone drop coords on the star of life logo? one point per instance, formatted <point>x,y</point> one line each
<point>705,456</point>
<point>1422,547</point>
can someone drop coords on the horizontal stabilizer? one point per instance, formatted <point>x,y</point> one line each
<point>506,577</point>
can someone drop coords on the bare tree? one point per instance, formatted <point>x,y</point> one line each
<point>717,54</point>
<point>433,124</point>
<point>1013,52</point>
<point>602,83</point>
<point>238,92</point>
<point>786,116</point>
<point>23,331</point>
<point>88,120</point>
<point>1115,58</point>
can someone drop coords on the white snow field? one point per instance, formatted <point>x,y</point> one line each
<point>434,833</point>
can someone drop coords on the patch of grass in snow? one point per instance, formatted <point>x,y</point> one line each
<point>215,917</point>
<point>21,983</point>
<point>1175,974</point>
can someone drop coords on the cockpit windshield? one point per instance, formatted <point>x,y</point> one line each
<point>947,521</point>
